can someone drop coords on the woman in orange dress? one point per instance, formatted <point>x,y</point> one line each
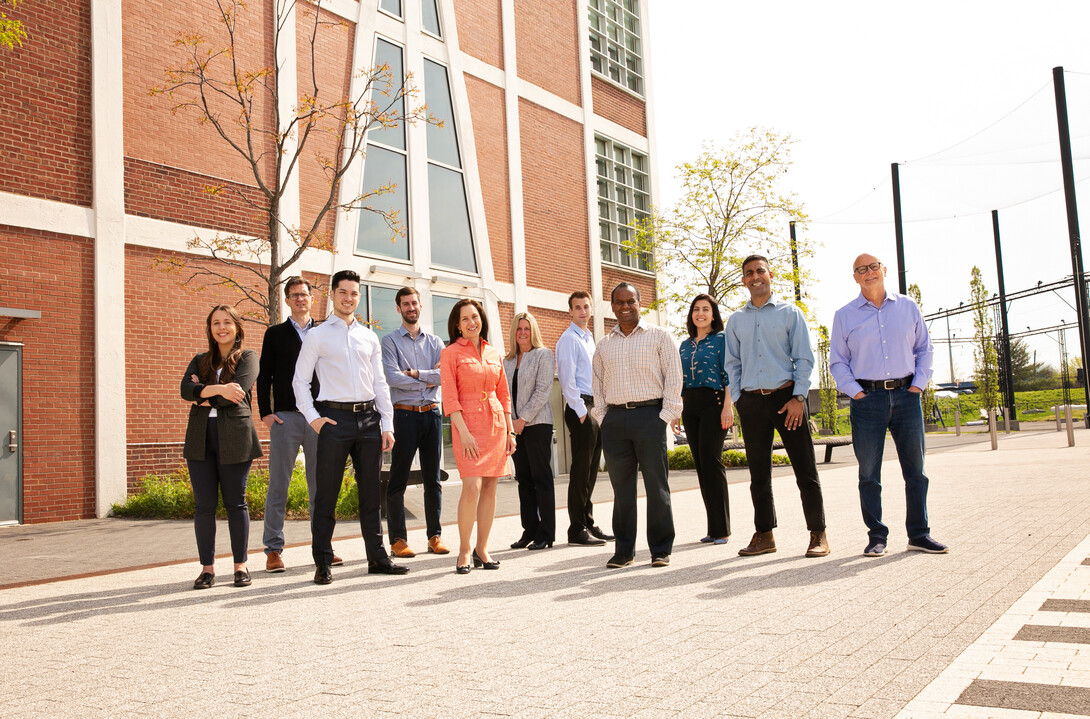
<point>475,397</point>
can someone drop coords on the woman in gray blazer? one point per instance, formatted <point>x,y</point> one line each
<point>530,369</point>
<point>220,439</point>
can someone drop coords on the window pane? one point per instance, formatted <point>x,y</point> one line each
<point>384,167</point>
<point>440,311</point>
<point>451,239</point>
<point>384,310</point>
<point>431,17</point>
<point>386,53</point>
<point>391,6</point>
<point>442,141</point>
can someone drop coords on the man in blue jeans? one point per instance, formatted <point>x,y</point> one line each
<point>880,355</point>
<point>410,358</point>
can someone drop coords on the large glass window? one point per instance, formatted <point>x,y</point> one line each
<point>615,42</point>
<point>391,6</point>
<point>451,234</point>
<point>377,309</point>
<point>384,166</point>
<point>429,11</point>
<point>623,199</point>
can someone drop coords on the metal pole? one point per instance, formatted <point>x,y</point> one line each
<point>1072,224</point>
<point>957,420</point>
<point>991,428</point>
<point>1008,370</point>
<point>950,347</point>
<point>898,228</point>
<point>1070,426</point>
<point>795,263</point>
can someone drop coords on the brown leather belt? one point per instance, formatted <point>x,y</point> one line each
<point>416,408</point>
<point>785,385</point>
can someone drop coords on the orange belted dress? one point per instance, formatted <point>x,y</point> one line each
<point>477,386</point>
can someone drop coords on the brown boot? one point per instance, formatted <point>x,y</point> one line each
<point>762,543</point>
<point>819,545</point>
<point>273,563</point>
<point>400,548</point>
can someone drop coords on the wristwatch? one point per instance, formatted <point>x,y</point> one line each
<point>801,398</point>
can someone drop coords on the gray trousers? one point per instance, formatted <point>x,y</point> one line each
<point>284,441</point>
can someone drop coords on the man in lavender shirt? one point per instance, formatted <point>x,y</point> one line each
<point>880,356</point>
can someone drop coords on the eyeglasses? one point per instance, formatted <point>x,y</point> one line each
<point>298,295</point>
<point>864,269</point>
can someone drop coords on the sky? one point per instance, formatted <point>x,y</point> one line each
<point>860,85</point>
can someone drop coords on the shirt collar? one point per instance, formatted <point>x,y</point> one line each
<point>862,301</point>
<point>405,333</point>
<point>579,330</point>
<point>463,341</point>
<point>307,326</point>
<point>773,300</point>
<point>640,325</point>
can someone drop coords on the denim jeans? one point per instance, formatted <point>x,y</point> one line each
<point>285,438</point>
<point>414,431</point>
<point>899,411</point>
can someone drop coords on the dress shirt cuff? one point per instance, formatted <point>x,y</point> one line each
<point>801,387</point>
<point>578,406</point>
<point>450,406</point>
<point>387,424</point>
<point>311,414</point>
<point>429,376</point>
<point>852,388</point>
<point>668,416</point>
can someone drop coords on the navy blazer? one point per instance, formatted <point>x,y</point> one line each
<point>234,423</point>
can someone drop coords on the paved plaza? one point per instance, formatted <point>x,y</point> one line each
<point>555,634</point>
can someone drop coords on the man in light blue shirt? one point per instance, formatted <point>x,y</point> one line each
<point>880,355</point>
<point>769,361</point>
<point>410,358</point>
<point>574,356</point>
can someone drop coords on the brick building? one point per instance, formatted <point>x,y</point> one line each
<point>524,194</point>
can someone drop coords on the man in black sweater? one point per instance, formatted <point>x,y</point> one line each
<point>288,429</point>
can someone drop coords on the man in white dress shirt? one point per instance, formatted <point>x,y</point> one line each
<point>353,415</point>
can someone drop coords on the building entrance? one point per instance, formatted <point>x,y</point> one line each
<point>11,431</point>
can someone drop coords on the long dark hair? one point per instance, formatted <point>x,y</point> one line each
<point>717,319</point>
<point>455,315</point>
<point>213,360</point>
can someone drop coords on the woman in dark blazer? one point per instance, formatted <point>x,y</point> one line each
<point>221,439</point>
<point>530,369</point>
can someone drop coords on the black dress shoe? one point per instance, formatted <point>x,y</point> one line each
<point>323,575</point>
<point>585,539</point>
<point>596,531</point>
<point>524,540</point>
<point>242,578</point>
<point>206,580</point>
<point>386,568</point>
<point>480,563</point>
<point>466,569</point>
<point>540,544</point>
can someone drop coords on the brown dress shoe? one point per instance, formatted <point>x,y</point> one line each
<point>436,546</point>
<point>819,545</point>
<point>400,548</point>
<point>762,543</point>
<point>273,563</point>
<point>337,561</point>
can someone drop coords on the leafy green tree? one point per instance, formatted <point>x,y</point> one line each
<point>12,32</point>
<point>985,360</point>
<point>214,83</point>
<point>731,206</point>
<point>825,382</point>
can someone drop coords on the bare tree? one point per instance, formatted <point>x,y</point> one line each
<point>230,97</point>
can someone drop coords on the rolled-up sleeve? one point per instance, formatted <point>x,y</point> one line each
<point>449,381</point>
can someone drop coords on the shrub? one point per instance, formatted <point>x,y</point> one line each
<point>682,458</point>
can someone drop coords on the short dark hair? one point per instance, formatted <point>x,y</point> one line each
<point>456,312</point>
<point>717,319</point>
<point>578,294</point>
<point>292,282</point>
<point>625,284</point>
<point>349,275</point>
<point>754,258</point>
<point>404,291</point>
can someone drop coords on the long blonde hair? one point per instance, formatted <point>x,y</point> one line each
<point>535,334</point>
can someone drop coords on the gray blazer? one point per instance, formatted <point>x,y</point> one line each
<point>234,422</point>
<point>535,383</point>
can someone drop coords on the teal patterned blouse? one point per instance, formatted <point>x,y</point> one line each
<point>702,363</point>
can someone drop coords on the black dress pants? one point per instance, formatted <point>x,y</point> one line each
<point>760,419</point>
<point>634,441</point>
<point>703,408</point>
<point>209,479</point>
<point>534,473</point>
<point>586,455</point>
<point>356,434</point>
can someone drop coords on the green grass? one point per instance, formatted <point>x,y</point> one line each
<point>171,497</point>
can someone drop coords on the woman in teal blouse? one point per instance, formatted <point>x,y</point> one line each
<point>708,412</point>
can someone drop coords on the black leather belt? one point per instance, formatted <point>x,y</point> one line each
<point>871,385</point>
<point>634,405</point>
<point>588,399</point>
<point>357,407</point>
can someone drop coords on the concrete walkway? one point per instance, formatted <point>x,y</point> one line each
<point>554,633</point>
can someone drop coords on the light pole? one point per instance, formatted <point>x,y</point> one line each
<point>949,346</point>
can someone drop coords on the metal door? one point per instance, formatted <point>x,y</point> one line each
<point>11,434</point>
